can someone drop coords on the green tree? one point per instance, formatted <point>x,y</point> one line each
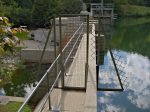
<point>41,11</point>
<point>4,9</point>
<point>25,3</point>
<point>9,2</point>
<point>44,10</point>
<point>8,43</point>
<point>72,7</point>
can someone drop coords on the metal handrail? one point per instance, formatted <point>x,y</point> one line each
<point>51,89</point>
<point>46,73</point>
<point>72,37</point>
<point>73,47</point>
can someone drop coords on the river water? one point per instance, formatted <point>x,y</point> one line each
<point>131,47</point>
<point>23,80</point>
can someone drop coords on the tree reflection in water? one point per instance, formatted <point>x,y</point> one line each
<point>132,37</point>
<point>23,80</point>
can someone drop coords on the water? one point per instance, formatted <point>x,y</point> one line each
<point>23,81</point>
<point>131,41</point>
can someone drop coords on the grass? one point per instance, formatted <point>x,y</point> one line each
<point>13,107</point>
<point>134,10</point>
<point>23,36</point>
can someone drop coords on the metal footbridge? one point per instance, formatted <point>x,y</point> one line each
<point>70,84</point>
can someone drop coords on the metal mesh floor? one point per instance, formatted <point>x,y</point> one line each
<point>75,76</point>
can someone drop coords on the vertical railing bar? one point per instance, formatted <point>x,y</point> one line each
<point>87,53</point>
<point>50,91</point>
<point>98,53</point>
<point>43,52</point>
<point>60,50</point>
<point>48,85</point>
<point>116,69</point>
<point>55,47</point>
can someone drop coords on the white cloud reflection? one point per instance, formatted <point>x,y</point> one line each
<point>107,106</point>
<point>138,92</point>
<point>139,80</point>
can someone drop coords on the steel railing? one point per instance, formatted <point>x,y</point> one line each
<point>59,74</point>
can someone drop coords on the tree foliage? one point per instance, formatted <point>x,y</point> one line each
<point>44,10</point>
<point>8,42</point>
<point>8,38</point>
<point>36,13</point>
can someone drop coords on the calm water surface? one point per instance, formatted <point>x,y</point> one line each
<point>131,42</point>
<point>23,81</point>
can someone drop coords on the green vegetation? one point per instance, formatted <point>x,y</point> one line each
<point>132,7</point>
<point>133,10</point>
<point>20,79</point>
<point>16,77</point>
<point>23,35</point>
<point>132,37</point>
<point>13,107</point>
<point>133,21</point>
<point>36,13</point>
<point>128,7</point>
<point>8,42</point>
<point>8,37</point>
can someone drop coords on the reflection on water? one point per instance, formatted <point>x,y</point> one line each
<point>133,37</point>
<point>107,70</point>
<point>20,84</point>
<point>136,98</point>
<point>23,80</point>
<point>133,41</point>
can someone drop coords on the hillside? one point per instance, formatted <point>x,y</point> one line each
<point>133,10</point>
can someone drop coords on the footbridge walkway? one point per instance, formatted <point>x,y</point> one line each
<point>69,85</point>
<point>71,82</point>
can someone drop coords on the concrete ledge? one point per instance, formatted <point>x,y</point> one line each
<point>91,90</point>
<point>6,99</point>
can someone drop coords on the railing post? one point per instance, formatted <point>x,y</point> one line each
<point>87,53</point>
<point>98,50</point>
<point>55,48</point>
<point>49,100</point>
<point>116,69</point>
<point>61,53</point>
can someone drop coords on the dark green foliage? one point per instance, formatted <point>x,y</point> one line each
<point>133,35</point>
<point>18,12</point>
<point>20,16</point>
<point>25,3</point>
<point>71,7</point>
<point>9,2</point>
<point>44,10</point>
<point>37,13</point>
<point>20,78</point>
<point>41,11</point>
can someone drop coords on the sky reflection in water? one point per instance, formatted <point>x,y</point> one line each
<point>136,97</point>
